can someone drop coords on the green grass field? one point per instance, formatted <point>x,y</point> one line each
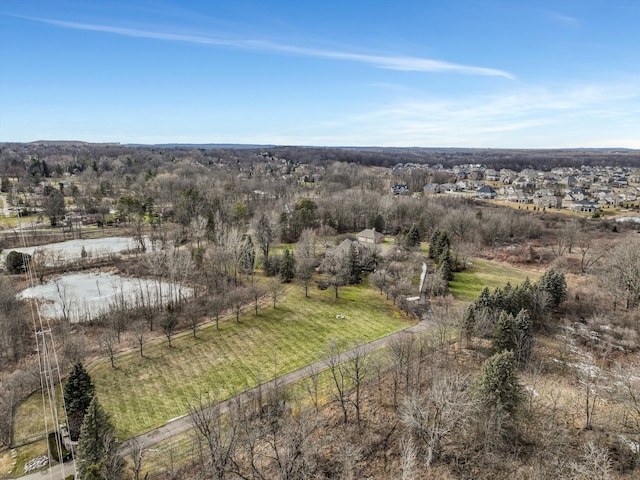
<point>143,393</point>
<point>468,284</point>
<point>14,221</point>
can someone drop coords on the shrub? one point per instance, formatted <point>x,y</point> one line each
<point>17,262</point>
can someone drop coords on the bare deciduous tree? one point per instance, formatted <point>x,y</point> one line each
<point>446,407</point>
<point>590,255</point>
<point>358,369</point>
<point>256,292</point>
<point>218,432</point>
<point>379,279</point>
<point>589,383</point>
<point>137,458</point>
<point>334,362</point>
<point>595,464</point>
<point>304,272</point>
<point>65,300</point>
<point>237,299</point>
<point>409,461</point>
<point>139,330</point>
<point>624,270</point>
<point>198,229</point>
<point>399,352</point>
<point>108,346</point>
<point>217,306</point>
<point>312,382</point>
<point>169,323</point>
<point>265,236</point>
<point>275,289</point>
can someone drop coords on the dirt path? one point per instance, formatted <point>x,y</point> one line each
<point>183,424</point>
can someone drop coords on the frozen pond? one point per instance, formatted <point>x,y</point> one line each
<point>628,219</point>
<point>83,296</point>
<point>63,253</point>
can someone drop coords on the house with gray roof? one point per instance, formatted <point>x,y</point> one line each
<point>370,236</point>
<point>486,192</point>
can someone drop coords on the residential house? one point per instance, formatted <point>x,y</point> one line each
<point>568,180</point>
<point>342,249</point>
<point>543,192</point>
<point>491,175</point>
<point>486,192</point>
<point>431,189</point>
<point>573,196</point>
<point>400,189</point>
<point>91,218</point>
<point>548,201</point>
<point>584,206</point>
<point>634,177</point>
<point>523,182</point>
<point>449,187</point>
<point>519,197</point>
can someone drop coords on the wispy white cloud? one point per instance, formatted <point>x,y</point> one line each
<point>528,117</point>
<point>564,19</point>
<point>389,62</point>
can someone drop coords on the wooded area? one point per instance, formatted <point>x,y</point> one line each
<point>530,379</point>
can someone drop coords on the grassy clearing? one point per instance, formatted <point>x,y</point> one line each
<point>14,221</point>
<point>24,455</point>
<point>468,284</point>
<point>143,393</point>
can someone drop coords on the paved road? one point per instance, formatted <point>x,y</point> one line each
<point>58,472</point>
<point>183,423</point>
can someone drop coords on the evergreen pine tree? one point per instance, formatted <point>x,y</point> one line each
<point>442,244</point>
<point>497,299</point>
<point>287,266</point>
<point>507,299</point>
<point>45,169</point>
<point>264,235</point>
<point>445,265</point>
<point>97,455</point>
<point>78,393</point>
<point>355,270</point>
<point>484,299</point>
<point>285,227</point>
<point>524,336</point>
<point>498,385</point>
<point>522,296</point>
<point>5,186</point>
<point>378,223</point>
<point>433,245</point>
<point>440,285</point>
<point>413,237</point>
<point>469,321</point>
<point>504,333</point>
<point>555,284</point>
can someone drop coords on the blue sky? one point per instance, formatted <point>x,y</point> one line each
<point>446,73</point>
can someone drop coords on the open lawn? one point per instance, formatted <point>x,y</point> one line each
<point>14,467</point>
<point>143,393</point>
<point>468,284</point>
<point>26,221</point>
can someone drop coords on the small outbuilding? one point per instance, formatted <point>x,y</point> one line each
<point>370,235</point>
